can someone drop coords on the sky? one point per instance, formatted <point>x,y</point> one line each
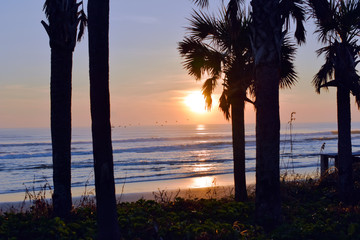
<point>148,84</point>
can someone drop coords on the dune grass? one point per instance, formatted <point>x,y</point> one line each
<point>311,210</point>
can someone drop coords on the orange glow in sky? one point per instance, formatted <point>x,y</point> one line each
<point>148,83</point>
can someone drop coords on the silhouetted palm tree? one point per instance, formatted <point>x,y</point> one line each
<point>222,45</point>
<point>270,23</point>
<point>338,27</point>
<point>65,19</point>
<point>98,27</point>
<point>219,46</point>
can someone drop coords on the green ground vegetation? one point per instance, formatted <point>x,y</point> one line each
<point>311,210</point>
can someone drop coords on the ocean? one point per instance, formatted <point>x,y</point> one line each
<point>146,154</point>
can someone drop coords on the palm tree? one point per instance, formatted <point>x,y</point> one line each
<point>223,46</point>
<point>270,23</point>
<point>269,26</point>
<point>98,14</point>
<point>216,47</point>
<point>64,19</point>
<point>338,26</point>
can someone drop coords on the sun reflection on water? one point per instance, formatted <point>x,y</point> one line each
<point>202,155</point>
<point>202,167</point>
<point>200,127</point>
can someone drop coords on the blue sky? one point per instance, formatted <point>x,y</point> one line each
<point>147,80</point>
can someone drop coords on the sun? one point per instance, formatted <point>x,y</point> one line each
<point>195,101</point>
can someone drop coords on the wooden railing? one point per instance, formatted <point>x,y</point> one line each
<point>324,160</point>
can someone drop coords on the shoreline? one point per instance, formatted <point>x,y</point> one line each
<point>216,186</point>
<point>160,195</point>
<point>197,187</point>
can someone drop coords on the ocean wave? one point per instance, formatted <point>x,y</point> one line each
<point>149,154</point>
<point>130,140</point>
<point>151,149</point>
<point>168,176</point>
<point>321,139</point>
<point>174,148</point>
<point>250,139</point>
<point>26,155</point>
<point>17,168</point>
<point>352,132</point>
<point>29,144</point>
<point>168,162</point>
<point>170,139</point>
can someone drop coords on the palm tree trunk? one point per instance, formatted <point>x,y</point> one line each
<point>60,91</point>
<point>268,202</point>
<point>238,137</point>
<point>98,27</point>
<point>266,40</point>
<point>346,185</point>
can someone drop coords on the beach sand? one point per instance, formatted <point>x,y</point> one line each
<point>216,186</point>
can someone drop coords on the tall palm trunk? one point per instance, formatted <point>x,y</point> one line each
<point>238,136</point>
<point>98,27</point>
<point>61,67</point>
<point>344,61</point>
<point>268,202</point>
<point>346,185</point>
<point>64,19</point>
<point>266,39</point>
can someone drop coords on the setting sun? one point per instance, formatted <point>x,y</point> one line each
<point>195,101</point>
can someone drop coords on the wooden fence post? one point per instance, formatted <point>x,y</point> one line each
<point>324,163</point>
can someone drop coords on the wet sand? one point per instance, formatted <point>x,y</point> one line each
<point>216,186</point>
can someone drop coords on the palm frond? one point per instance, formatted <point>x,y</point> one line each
<point>332,83</point>
<point>194,54</point>
<point>224,104</point>
<point>294,9</point>
<point>223,37</point>
<point>340,59</point>
<point>220,46</point>
<point>320,79</point>
<point>82,20</point>
<point>324,13</point>
<point>321,10</point>
<point>349,19</point>
<point>347,67</point>
<point>288,74</point>
<point>249,101</point>
<point>208,89</point>
<point>327,50</point>
<point>200,58</point>
<point>47,8</point>
<point>67,22</point>
<point>201,3</point>
<point>357,101</point>
<point>327,70</point>
<point>233,10</point>
<point>202,25</point>
<point>82,25</point>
